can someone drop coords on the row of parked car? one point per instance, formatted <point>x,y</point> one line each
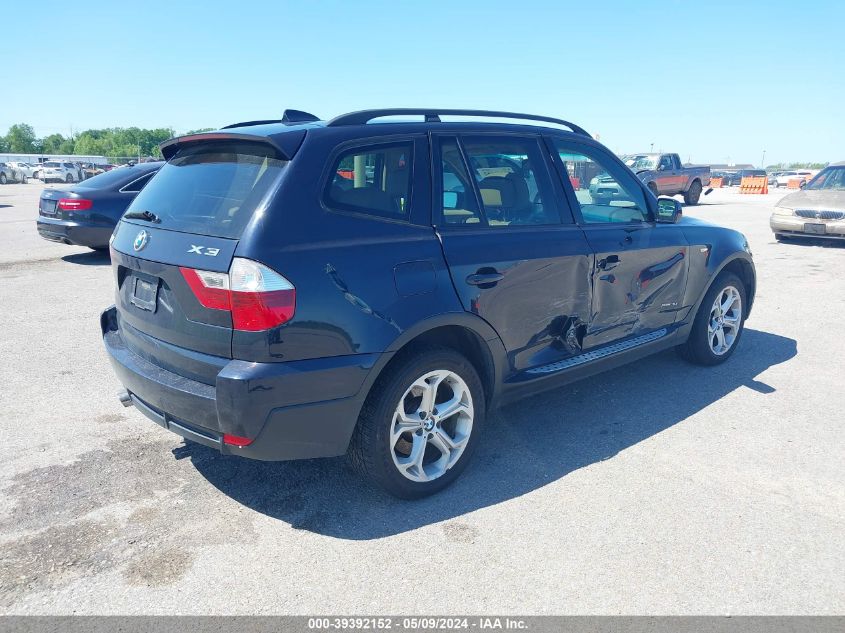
<point>52,171</point>
<point>775,179</point>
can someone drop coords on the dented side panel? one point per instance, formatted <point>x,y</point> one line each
<point>638,280</point>
<point>541,305</point>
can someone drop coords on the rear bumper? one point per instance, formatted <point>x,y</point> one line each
<point>794,226</point>
<point>77,233</point>
<point>293,410</point>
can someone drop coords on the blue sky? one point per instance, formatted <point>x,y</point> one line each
<point>711,80</point>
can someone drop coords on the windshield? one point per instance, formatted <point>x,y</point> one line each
<point>830,178</point>
<point>212,189</point>
<point>640,162</point>
<point>116,178</point>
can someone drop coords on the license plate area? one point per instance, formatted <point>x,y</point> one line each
<point>144,293</point>
<point>814,228</point>
<point>48,207</point>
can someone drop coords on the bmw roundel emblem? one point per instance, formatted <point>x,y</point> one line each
<point>141,240</point>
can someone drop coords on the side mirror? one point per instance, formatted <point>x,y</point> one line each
<point>669,210</point>
<point>450,199</point>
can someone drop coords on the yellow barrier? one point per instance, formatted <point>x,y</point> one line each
<point>754,184</point>
<point>716,183</point>
<point>794,183</point>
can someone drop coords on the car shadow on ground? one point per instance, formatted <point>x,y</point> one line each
<point>814,241</point>
<point>525,446</point>
<point>92,258</point>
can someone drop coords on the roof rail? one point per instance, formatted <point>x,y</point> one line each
<point>432,115</point>
<point>289,117</point>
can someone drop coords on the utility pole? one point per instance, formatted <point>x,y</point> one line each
<point>651,150</point>
<point>763,162</point>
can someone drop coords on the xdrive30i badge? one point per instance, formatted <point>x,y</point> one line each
<point>140,240</point>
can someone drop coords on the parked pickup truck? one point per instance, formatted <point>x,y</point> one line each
<point>666,176</point>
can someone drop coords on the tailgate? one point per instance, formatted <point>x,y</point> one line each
<point>156,309</point>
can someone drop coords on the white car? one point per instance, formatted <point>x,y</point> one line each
<point>25,170</point>
<point>55,170</point>
<point>785,176</point>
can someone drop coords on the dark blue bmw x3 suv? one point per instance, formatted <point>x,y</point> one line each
<point>299,288</point>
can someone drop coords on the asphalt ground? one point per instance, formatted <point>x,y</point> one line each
<point>657,488</point>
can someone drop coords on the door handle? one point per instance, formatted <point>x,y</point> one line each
<point>608,262</point>
<point>483,279</point>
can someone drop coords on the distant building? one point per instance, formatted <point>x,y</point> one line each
<point>40,158</point>
<point>731,167</point>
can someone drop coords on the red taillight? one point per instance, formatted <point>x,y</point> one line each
<point>75,204</point>
<point>234,440</point>
<point>256,311</point>
<point>258,298</point>
<point>210,289</point>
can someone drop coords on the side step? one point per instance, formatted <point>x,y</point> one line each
<point>587,357</point>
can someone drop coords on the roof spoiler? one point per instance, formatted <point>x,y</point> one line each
<point>289,117</point>
<point>286,143</point>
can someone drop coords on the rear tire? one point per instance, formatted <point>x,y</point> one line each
<point>401,443</point>
<point>2,178</point>
<point>692,196</point>
<point>68,178</point>
<point>716,331</point>
<point>24,179</point>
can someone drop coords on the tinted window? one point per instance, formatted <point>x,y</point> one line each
<point>459,203</point>
<point>212,189</point>
<point>137,184</point>
<point>511,180</point>
<point>116,179</point>
<point>604,190</point>
<point>832,178</point>
<point>375,180</point>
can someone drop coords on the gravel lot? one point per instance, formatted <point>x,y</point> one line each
<point>656,488</point>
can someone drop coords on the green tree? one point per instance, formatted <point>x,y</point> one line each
<point>54,143</point>
<point>21,139</point>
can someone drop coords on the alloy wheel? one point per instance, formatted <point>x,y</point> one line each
<point>431,425</point>
<point>725,320</point>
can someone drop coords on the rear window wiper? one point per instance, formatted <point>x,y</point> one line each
<point>149,216</point>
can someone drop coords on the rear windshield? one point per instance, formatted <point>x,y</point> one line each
<point>212,189</point>
<point>115,178</point>
<point>51,164</point>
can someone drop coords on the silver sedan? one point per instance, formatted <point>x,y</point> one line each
<point>817,210</point>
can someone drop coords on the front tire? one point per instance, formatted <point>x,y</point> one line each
<point>24,179</point>
<point>718,323</point>
<point>2,178</point>
<point>420,424</point>
<point>692,196</point>
<point>68,178</point>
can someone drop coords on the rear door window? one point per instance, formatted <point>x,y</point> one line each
<point>507,176</point>
<point>211,189</point>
